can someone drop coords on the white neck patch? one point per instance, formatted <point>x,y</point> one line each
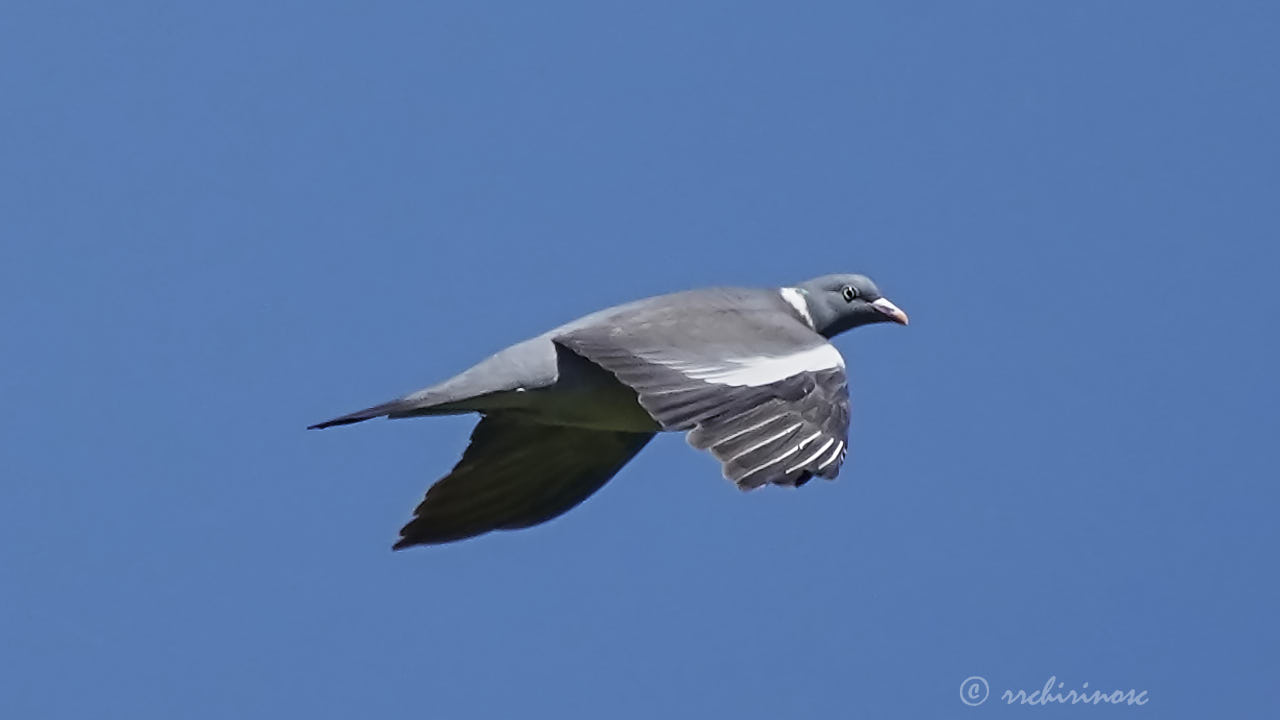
<point>795,298</point>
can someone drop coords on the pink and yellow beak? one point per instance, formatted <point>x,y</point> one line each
<point>893,311</point>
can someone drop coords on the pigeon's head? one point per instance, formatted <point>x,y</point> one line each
<point>840,302</point>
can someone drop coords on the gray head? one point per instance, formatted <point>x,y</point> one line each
<point>840,302</point>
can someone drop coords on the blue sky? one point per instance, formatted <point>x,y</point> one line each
<point>225,221</point>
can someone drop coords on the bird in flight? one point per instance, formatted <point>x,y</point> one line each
<point>748,373</point>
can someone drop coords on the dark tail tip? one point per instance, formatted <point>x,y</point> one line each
<point>335,422</point>
<point>358,416</point>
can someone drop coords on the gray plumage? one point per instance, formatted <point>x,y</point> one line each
<point>748,373</point>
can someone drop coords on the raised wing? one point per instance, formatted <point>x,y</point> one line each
<point>755,386</point>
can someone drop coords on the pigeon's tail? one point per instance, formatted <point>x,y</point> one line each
<point>409,406</point>
<point>361,415</point>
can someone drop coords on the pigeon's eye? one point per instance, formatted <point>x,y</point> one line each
<point>849,292</point>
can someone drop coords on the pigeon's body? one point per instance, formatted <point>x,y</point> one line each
<point>748,372</point>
